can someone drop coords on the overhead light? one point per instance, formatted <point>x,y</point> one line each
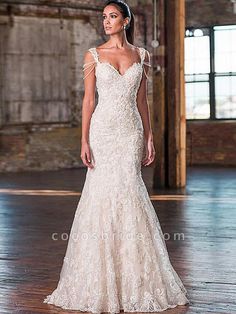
<point>155,43</point>
<point>198,32</point>
<point>187,33</point>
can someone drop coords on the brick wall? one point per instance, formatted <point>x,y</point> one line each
<point>40,148</point>
<point>211,143</point>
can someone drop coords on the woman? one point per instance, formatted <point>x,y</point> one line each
<point>116,257</point>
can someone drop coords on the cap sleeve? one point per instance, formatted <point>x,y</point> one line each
<point>90,65</point>
<point>145,61</point>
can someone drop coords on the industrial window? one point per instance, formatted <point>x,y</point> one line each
<point>210,72</point>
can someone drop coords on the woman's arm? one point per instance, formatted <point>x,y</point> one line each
<point>143,107</point>
<point>88,103</point>
<point>88,106</point>
<point>142,99</point>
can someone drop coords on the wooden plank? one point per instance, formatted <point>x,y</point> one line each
<point>31,261</point>
<point>159,178</point>
<point>175,93</point>
<point>159,102</point>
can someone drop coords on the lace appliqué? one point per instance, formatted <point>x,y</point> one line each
<point>92,64</point>
<point>116,256</point>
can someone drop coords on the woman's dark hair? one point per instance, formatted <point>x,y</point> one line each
<point>126,12</point>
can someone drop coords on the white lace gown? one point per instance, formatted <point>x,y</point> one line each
<point>116,258</point>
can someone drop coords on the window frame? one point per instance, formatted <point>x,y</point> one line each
<point>212,74</point>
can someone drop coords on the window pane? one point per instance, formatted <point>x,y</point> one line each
<point>225,97</point>
<point>197,55</point>
<point>225,50</point>
<point>196,77</point>
<point>197,100</point>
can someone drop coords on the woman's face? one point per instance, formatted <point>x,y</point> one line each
<point>113,21</point>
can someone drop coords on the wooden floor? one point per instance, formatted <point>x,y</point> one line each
<point>35,205</point>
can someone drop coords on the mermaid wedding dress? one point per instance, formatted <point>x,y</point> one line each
<point>116,258</point>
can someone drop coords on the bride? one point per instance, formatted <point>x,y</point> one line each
<point>116,258</point>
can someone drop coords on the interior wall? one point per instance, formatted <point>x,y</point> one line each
<point>41,92</point>
<point>41,80</point>
<point>209,12</point>
<point>35,77</point>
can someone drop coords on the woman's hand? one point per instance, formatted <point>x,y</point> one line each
<point>149,152</point>
<point>86,155</point>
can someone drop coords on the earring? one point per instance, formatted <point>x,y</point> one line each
<point>124,26</point>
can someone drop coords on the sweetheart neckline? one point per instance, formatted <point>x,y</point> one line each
<point>115,69</point>
<point>121,75</point>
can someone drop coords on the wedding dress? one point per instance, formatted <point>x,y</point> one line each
<point>116,258</point>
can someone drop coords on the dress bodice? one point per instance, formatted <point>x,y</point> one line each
<point>116,110</point>
<point>109,81</point>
